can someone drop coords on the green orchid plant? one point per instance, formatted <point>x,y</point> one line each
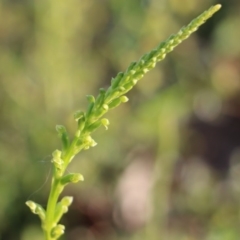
<point>92,119</point>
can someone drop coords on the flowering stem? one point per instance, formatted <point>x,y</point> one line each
<point>89,121</point>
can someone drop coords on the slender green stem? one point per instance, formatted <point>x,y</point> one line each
<point>91,120</point>
<point>56,190</point>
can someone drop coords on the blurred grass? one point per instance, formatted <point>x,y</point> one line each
<point>182,119</point>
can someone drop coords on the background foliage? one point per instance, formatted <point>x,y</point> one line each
<point>168,168</point>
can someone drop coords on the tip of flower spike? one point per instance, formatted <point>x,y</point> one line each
<point>217,7</point>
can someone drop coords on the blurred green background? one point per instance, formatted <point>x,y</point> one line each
<point>169,165</point>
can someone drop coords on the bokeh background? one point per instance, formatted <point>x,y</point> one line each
<point>169,166</point>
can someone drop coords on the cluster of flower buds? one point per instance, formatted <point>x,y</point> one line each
<point>92,119</point>
<point>125,81</point>
<point>62,207</point>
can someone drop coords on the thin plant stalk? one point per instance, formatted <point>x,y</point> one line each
<point>92,119</point>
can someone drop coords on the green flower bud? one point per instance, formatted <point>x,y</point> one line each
<point>105,123</point>
<point>128,86</point>
<point>67,201</point>
<point>111,94</point>
<point>161,57</point>
<point>118,101</point>
<point>60,129</point>
<point>101,111</point>
<point>64,136</point>
<point>90,98</point>
<point>62,208</point>
<point>57,157</point>
<point>145,70</point>
<point>115,81</point>
<point>146,57</point>
<point>151,64</point>
<point>93,143</point>
<point>71,178</point>
<point>37,209</point>
<point>124,99</point>
<point>126,79</point>
<point>132,72</point>
<point>78,115</point>
<point>81,124</point>
<point>141,62</point>
<point>122,89</point>
<point>93,126</point>
<point>152,54</point>
<point>138,76</point>
<point>58,162</point>
<point>89,142</point>
<point>105,107</point>
<point>131,66</point>
<point>57,231</point>
<point>161,48</point>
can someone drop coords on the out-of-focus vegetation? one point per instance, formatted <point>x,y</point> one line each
<point>168,168</point>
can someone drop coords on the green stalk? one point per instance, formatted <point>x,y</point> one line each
<point>56,190</point>
<point>92,119</point>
